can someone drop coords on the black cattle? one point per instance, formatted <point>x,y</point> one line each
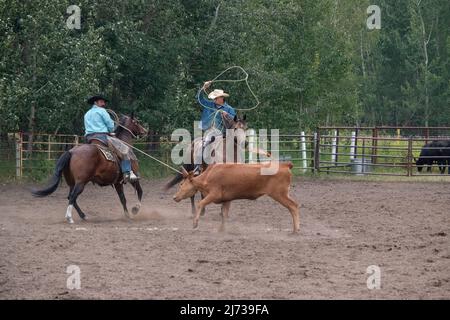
<point>435,151</point>
<point>445,152</point>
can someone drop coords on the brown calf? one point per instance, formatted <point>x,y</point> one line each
<point>222,183</point>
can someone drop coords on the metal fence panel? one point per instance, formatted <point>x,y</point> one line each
<point>341,150</point>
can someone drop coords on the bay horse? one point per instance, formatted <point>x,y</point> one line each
<point>86,163</point>
<point>239,125</point>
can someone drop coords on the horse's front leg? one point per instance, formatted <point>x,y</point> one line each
<point>123,200</point>
<point>137,186</point>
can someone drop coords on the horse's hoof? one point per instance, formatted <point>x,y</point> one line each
<point>70,220</point>
<point>195,225</point>
<point>135,210</point>
<point>84,218</point>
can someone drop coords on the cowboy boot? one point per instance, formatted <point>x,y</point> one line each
<point>125,165</point>
<point>132,177</point>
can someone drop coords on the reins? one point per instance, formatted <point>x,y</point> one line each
<point>117,122</point>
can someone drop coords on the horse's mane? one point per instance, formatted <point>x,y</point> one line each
<point>122,122</point>
<point>228,122</point>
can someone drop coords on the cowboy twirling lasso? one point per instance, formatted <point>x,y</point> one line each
<point>215,111</point>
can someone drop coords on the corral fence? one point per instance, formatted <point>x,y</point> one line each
<point>382,150</point>
<point>389,151</point>
<point>33,155</point>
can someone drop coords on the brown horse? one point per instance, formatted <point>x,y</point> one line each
<point>239,125</point>
<point>86,163</point>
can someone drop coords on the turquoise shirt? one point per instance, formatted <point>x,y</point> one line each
<point>210,116</point>
<point>97,120</point>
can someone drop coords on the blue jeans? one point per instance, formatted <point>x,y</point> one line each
<point>125,165</point>
<point>103,137</point>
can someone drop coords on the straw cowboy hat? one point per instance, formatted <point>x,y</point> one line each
<point>97,97</point>
<point>217,93</point>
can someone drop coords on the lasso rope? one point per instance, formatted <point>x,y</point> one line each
<point>157,160</point>
<point>239,80</point>
<point>116,117</point>
<point>116,120</point>
<point>231,80</point>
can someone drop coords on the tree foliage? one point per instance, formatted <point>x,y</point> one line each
<point>310,62</point>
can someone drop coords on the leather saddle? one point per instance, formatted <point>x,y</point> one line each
<point>102,144</point>
<point>107,153</point>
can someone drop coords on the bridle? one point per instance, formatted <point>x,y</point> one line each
<point>119,124</point>
<point>134,123</point>
<point>126,129</point>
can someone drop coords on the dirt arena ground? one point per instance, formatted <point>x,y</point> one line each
<point>346,226</point>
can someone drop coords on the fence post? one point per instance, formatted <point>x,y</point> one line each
<point>303,150</point>
<point>409,158</point>
<point>363,155</point>
<point>317,151</point>
<point>18,140</point>
<point>333,147</point>
<point>49,148</point>
<point>352,146</point>
<point>374,145</point>
<point>337,146</point>
<point>251,146</point>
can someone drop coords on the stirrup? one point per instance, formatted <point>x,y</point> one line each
<point>132,177</point>
<point>126,177</point>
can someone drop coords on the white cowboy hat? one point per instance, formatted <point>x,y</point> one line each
<point>217,93</point>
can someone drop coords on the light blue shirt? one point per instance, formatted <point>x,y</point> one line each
<point>209,114</point>
<point>97,120</point>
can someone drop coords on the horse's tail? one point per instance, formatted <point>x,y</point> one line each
<point>62,163</point>
<point>178,177</point>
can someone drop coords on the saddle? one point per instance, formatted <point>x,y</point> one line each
<point>102,144</point>
<point>107,153</point>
